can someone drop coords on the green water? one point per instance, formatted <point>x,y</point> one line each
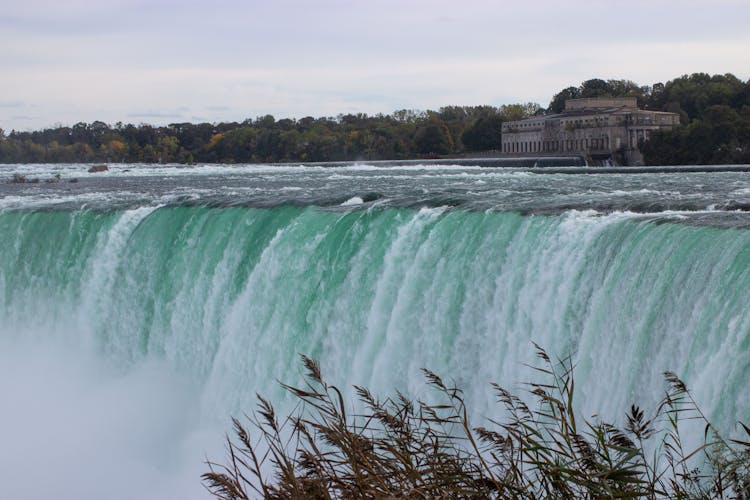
<point>230,296</point>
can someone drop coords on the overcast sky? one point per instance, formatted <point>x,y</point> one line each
<point>164,61</point>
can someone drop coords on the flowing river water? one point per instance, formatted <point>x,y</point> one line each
<point>143,306</point>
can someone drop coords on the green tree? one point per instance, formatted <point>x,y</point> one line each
<point>149,154</point>
<point>237,145</point>
<point>269,146</point>
<point>409,116</point>
<point>512,112</point>
<point>698,91</point>
<point>484,134</point>
<point>433,138</point>
<point>266,121</point>
<point>167,148</point>
<point>557,105</point>
<point>596,87</point>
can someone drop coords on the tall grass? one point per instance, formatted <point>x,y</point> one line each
<point>413,449</point>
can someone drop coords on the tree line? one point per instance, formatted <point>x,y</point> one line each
<point>714,110</point>
<point>399,135</point>
<point>715,114</point>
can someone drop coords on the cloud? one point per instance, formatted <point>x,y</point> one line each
<point>232,59</point>
<point>12,104</point>
<point>155,114</point>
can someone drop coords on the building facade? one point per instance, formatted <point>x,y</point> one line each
<point>605,131</point>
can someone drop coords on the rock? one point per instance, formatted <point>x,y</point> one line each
<point>22,179</point>
<point>98,168</point>
<point>73,180</point>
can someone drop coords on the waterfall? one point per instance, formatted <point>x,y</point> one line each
<point>186,312</point>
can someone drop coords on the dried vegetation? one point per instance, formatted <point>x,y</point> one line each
<point>405,449</point>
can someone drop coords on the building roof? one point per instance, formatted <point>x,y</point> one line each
<point>597,103</point>
<point>594,106</point>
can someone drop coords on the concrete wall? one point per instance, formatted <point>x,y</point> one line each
<point>600,102</point>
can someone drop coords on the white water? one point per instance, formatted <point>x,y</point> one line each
<point>129,338</point>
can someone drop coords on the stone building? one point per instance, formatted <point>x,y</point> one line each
<point>604,131</point>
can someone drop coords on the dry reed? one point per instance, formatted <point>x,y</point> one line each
<point>406,449</point>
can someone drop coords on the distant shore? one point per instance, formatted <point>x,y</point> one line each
<point>714,115</point>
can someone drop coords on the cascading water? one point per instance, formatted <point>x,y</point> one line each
<point>134,333</point>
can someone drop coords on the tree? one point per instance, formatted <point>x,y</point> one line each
<point>409,115</point>
<point>698,91</point>
<point>596,87</point>
<point>433,138</point>
<point>114,150</point>
<point>512,112</point>
<point>268,146</point>
<point>266,121</point>
<point>484,134</point>
<point>655,99</point>
<point>167,148</point>
<point>234,146</point>
<point>626,88</point>
<point>557,105</point>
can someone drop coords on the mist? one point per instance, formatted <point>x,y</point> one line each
<point>74,426</point>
